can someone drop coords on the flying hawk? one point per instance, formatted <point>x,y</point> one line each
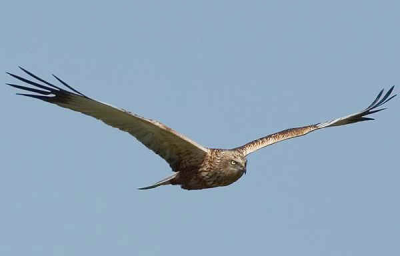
<point>194,166</point>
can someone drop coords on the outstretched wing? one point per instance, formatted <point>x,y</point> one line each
<point>164,141</point>
<point>300,131</point>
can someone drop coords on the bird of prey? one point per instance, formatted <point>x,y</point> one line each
<point>194,166</point>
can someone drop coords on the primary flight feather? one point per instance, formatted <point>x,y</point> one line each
<point>195,166</point>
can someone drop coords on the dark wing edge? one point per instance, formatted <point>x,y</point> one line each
<point>161,139</point>
<point>50,93</point>
<point>301,131</point>
<point>362,115</point>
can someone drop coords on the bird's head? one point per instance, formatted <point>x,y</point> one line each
<point>235,162</point>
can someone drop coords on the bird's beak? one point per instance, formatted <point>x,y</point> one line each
<point>245,170</point>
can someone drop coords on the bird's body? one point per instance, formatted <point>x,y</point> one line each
<point>216,170</point>
<point>195,166</point>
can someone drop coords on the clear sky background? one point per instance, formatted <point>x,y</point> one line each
<point>222,73</point>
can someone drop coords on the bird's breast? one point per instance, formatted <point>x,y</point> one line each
<point>218,178</point>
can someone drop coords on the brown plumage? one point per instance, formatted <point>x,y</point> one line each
<point>195,166</point>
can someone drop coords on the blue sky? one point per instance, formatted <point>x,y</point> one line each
<point>222,73</point>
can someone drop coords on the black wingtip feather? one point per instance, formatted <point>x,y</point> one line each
<point>376,111</point>
<point>377,103</point>
<point>384,97</point>
<point>362,115</point>
<point>40,97</point>
<point>32,83</point>
<point>376,99</point>
<point>389,99</point>
<point>367,119</point>
<point>29,89</point>
<point>380,101</point>
<point>69,87</point>
<point>38,78</point>
<point>53,93</point>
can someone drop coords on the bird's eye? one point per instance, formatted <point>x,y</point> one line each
<point>233,162</point>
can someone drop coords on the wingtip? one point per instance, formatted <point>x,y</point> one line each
<point>144,188</point>
<point>390,90</point>
<point>11,74</point>
<point>149,187</point>
<point>23,94</point>
<point>26,71</point>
